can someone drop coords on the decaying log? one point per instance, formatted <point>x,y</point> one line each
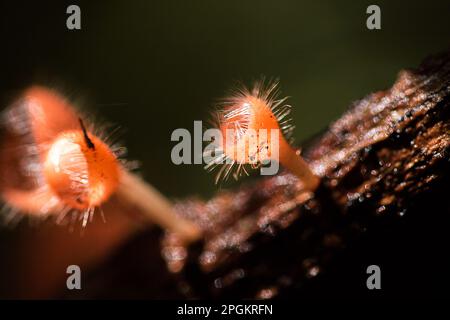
<point>387,153</point>
<point>386,160</point>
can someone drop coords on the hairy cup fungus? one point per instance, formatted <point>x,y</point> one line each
<point>256,129</point>
<point>53,164</point>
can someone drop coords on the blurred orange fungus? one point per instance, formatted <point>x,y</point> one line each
<point>50,162</point>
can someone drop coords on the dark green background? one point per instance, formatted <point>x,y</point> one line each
<point>154,66</point>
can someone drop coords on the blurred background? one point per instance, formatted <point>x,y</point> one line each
<point>154,66</point>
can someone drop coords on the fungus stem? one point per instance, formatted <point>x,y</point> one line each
<point>293,161</point>
<point>156,208</point>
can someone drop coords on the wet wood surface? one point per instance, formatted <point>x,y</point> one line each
<point>384,168</point>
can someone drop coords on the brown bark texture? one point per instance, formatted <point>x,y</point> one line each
<point>384,168</point>
<point>387,154</point>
